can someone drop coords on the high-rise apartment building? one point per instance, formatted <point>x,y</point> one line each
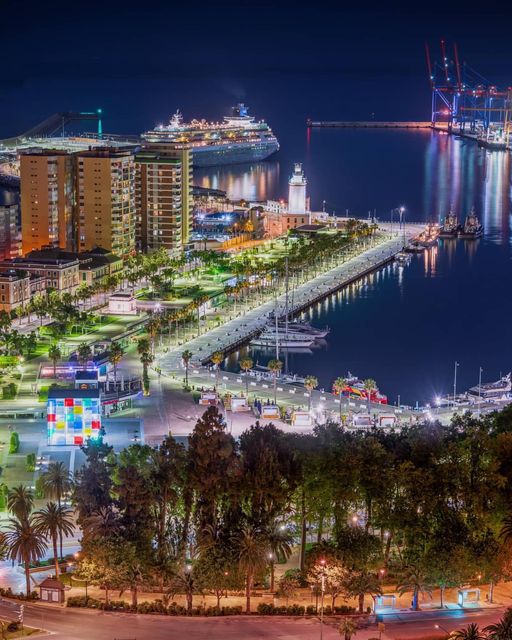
<point>47,199</point>
<point>105,192</point>
<point>10,238</point>
<point>163,197</point>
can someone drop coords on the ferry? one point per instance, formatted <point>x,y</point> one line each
<point>239,138</point>
<point>472,227</point>
<point>499,390</point>
<point>355,387</point>
<point>451,227</point>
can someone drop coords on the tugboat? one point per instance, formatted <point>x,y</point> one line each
<point>472,227</point>
<point>451,227</point>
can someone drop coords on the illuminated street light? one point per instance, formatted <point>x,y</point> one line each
<point>322,564</point>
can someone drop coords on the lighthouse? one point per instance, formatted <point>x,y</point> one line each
<point>297,191</point>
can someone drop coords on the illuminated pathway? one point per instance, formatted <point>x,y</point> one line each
<point>240,329</point>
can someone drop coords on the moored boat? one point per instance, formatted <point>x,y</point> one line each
<point>499,390</point>
<point>472,227</point>
<point>451,227</point>
<point>355,388</point>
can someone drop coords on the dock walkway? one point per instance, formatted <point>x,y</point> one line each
<point>368,124</point>
<point>240,330</point>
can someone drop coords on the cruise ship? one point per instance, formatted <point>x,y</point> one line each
<point>239,138</point>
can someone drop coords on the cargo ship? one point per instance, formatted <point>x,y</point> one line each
<point>239,138</point>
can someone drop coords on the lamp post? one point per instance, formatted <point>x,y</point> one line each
<point>479,389</point>
<point>439,626</point>
<point>455,381</point>
<point>401,212</point>
<point>322,564</point>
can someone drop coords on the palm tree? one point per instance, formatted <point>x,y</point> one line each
<point>370,387</point>
<point>52,521</point>
<point>20,502</point>
<point>339,386</point>
<point>152,328</point>
<point>347,628</point>
<point>246,365</point>
<point>24,544</point>
<point>414,581</point>
<point>360,583</point>
<point>56,482</point>
<point>310,383</point>
<point>275,367</point>
<point>186,357</point>
<point>146,358</point>
<point>471,632</point>
<point>100,524</point>
<point>280,543</point>
<point>252,546</point>
<point>84,353</point>
<point>501,630</point>
<point>506,529</point>
<point>217,358</point>
<point>115,357</point>
<point>54,353</point>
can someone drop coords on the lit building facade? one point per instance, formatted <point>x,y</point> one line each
<point>47,199</point>
<point>164,186</point>
<point>10,238</point>
<point>159,202</point>
<point>73,416</point>
<point>105,192</point>
<point>59,269</point>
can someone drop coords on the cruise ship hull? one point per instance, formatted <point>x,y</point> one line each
<point>213,155</point>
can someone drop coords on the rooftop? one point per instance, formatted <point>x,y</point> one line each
<point>59,394</point>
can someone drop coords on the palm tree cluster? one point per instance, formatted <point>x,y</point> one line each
<point>501,630</point>
<point>28,533</point>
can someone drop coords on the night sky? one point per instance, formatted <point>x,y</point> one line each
<point>141,60</point>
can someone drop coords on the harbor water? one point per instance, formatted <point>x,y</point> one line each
<point>405,326</point>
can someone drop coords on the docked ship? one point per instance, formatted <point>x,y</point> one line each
<point>451,227</point>
<point>499,390</point>
<point>239,138</point>
<point>355,388</point>
<point>472,227</point>
<point>270,339</point>
<point>298,327</point>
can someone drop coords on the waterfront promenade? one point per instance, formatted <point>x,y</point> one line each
<point>236,332</point>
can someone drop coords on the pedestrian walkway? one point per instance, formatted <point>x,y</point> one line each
<point>249,323</point>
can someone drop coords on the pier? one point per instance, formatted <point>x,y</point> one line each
<point>367,124</point>
<point>241,329</point>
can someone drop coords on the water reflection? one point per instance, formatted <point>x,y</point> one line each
<point>256,181</point>
<point>405,326</point>
<point>459,175</point>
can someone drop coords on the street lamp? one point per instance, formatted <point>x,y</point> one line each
<point>455,382</point>
<point>438,626</point>
<point>322,564</point>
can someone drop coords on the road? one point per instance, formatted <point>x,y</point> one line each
<point>72,624</point>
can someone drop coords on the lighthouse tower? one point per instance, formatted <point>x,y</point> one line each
<point>297,191</point>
